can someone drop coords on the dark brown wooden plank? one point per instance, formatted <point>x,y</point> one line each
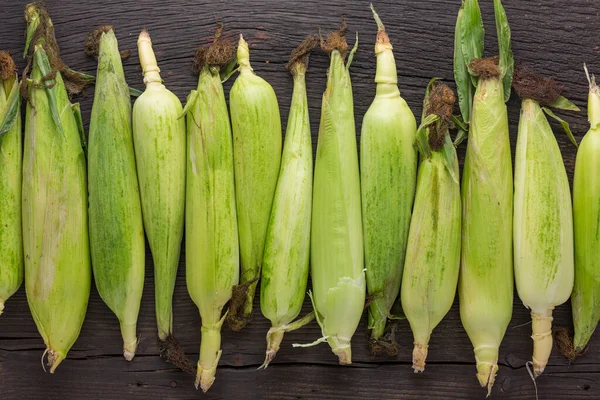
<point>107,377</point>
<point>554,36</point>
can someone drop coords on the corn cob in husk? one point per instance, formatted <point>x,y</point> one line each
<point>337,264</point>
<point>486,276</point>
<point>212,245</point>
<point>433,250</point>
<point>388,172</point>
<point>55,219</point>
<point>11,162</point>
<point>586,213</point>
<point>256,127</point>
<point>159,140</point>
<point>287,249</point>
<point>116,230</point>
<point>543,218</point>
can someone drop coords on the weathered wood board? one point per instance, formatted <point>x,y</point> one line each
<point>554,36</point>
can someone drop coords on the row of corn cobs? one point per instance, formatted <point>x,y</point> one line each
<point>254,211</point>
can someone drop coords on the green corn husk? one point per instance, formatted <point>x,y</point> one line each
<point>256,126</point>
<point>160,145</point>
<point>543,219</point>
<point>55,220</point>
<point>116,230</point>
<point>586,213</point>
<point>212,245</point>
<point>11,162</point>
<point>433,251</point>
<point>287,248</point>
<point>388,176</point>
<point>337,264</point>
<point>486,277</point>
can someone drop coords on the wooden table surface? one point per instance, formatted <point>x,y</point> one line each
<point>554,36</point>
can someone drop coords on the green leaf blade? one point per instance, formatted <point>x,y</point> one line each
<point>422,137</point>
<point>76,109</point>
<point>43,63</point>
<point>562,103</point>
<point>563,123</point>
<point>12,109</point>
<point>506,59</point>
<point>472,34</point>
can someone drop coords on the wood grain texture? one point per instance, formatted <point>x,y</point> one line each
<point>554,36</point>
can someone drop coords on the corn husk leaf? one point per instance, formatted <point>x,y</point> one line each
<point>506,61</point>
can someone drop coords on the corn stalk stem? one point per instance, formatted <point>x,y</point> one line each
<point>486,358</point>
<point>541,328</point>
<point>148,59</point>
<point>419,356</point>
<point>129,340</point>
<point>210,353</point>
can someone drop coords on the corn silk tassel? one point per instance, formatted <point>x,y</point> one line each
<point>256,126</point>
<point>433,251</point>
<point>337,264</point>
<point>116,227</point>
<point>287,248</point>
<point>585,301</point>
<point>11,162</point>
<point>486,277</point>
<point>159,138</point>
<point>212,245</point>
<point>54,198</point>
<point>388,168</point>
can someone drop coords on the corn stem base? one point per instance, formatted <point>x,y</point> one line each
<point>419,356</point>
<point>541,327</point>
<point>128,331</point>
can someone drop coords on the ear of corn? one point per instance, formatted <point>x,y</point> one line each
<point>116,231</point>
<point>287,248</point>
<point>337,263</point>
<point>486,275</point>
<point>543,227</point>
<point>160,140</point>
<point>388,174</point>
<point>11,160</point>
<point>586,212</point>
<point>256,126</point>
<point>212,246</point>
<point>433,250</point>
<point>55,219</point>
<point>486,278</point>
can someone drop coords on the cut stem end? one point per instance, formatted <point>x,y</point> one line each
<point>541,327</point>
<point>344,354</point>
<point>419,357</point>
<point>274,338</point>
<point>205,378</point>
<point>486,374</point>
<point>54,359</point>
<point>129,349</point>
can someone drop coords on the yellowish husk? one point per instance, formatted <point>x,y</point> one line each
<point>337,258</point>
<point>159,137</point>
<point>11,162</point>
<point>55,218</point>
<point>543,227</point>
<point>212,244</point>
<point>486,276</point>
<point>433,252</point>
